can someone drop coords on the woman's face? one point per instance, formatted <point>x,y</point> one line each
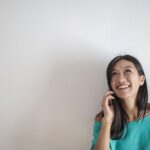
<point>126,80</point>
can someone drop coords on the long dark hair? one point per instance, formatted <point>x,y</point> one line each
<point>119,121</point>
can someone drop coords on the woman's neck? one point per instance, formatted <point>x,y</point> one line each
<point>132,114</point>
<point>131,110</point>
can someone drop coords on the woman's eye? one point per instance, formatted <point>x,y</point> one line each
<point>113,73</point>
<point>127,70</point>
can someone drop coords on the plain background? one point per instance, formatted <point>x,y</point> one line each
<point>53,58</point>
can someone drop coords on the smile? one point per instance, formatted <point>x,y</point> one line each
<point>123,87</point>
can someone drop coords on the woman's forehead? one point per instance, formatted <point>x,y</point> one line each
<point>123,64</point>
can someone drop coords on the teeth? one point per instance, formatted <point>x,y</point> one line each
<point>123,86</point>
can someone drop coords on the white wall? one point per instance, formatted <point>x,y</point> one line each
<point>53,56</point>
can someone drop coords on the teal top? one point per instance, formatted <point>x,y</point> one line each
<point>137,137</point>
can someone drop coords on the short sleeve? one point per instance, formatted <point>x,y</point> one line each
<point>96,130</point>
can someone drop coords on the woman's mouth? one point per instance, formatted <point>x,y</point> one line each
<point>123,86</point>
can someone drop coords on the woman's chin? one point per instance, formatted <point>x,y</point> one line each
<point>124,96</point>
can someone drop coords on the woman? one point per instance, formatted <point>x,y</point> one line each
<point>124,122</point>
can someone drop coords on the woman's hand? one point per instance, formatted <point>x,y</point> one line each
<point>108,108</point>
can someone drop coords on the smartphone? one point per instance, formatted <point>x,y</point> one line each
<point>113,101</point>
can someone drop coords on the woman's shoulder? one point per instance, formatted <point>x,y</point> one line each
<point>148,109</point>
<point>98,117</point>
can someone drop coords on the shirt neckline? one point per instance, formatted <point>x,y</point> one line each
<point>132,122</point>
<point>139,120</point>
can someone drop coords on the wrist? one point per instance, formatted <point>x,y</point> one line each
<point>106,122</point>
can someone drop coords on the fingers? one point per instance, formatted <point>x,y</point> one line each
<point>109,92</point>
<point>107,99</point>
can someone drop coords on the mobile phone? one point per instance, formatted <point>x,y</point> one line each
<point>113,101</point>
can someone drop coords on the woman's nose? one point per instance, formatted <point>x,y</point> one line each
<point>121,78</point>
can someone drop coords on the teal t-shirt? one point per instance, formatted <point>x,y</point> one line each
<point>137,137</point>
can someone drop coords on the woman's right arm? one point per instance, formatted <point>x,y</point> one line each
<point>104,135</point>
<point>104,138</point>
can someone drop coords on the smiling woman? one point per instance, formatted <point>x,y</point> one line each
<point>125,108</point>
<point>126,80</point>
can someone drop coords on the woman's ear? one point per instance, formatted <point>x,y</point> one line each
<point>142,79</point>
